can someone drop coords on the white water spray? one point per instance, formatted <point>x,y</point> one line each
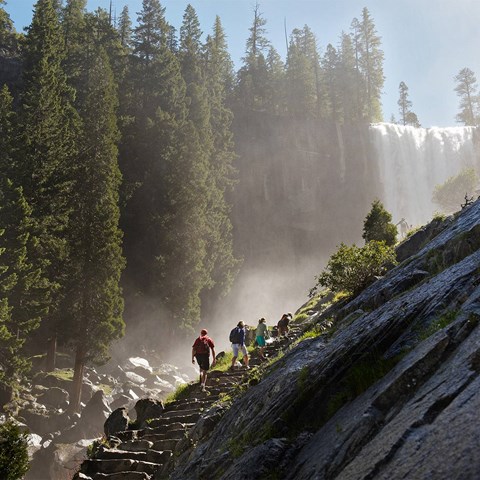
<point>412,161</point>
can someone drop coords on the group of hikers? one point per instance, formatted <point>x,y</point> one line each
<point>204,345</point>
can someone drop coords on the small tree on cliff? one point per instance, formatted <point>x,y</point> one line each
<point>378,225</point>
<point>351,269</point>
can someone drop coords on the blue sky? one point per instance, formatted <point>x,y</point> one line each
<point>426,42</point>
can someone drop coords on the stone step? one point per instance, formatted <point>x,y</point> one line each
<point>135,445</point>
<point>154,437</point>
<point>159,456</point>
<point>122,476</point>
<point>115,453</point>
<point>164,425</point>
<point>162,445</point>
<point>182,416</point>
<point>93,466</point>
<point>192,404</point>
<point>172,433</point>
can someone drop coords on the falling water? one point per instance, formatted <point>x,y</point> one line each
<point>412,161</point>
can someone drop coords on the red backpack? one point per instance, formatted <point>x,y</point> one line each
<point>201,345</point>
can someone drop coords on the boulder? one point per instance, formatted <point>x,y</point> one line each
<point>134,378</point>
<point>94,415</point>
<point>133,362</point>
<point>55,397</point>
<point>116,422</point>
<point>147,408</point>
<point>122,400</point>
<point>143,371</point>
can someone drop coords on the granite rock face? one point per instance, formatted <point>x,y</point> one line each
<point>392,393</point>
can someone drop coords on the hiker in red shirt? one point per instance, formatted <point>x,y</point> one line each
<point>201,351</point>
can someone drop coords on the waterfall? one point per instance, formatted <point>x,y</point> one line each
<point>412,161</point>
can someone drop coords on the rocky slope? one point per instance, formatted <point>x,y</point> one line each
<point>393,393</point>
<point>390,391</point>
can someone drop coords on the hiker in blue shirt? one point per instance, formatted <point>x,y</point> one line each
<point>237,337</point>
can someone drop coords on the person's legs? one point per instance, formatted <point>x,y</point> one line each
<point>203,378</point>
<point>245,356</point>
<point>235,354</point>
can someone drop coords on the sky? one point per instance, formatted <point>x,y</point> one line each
<point>425,42</point>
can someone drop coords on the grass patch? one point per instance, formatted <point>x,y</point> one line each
<point>62,374</point>
<point>359,378</point>
<point>437,324</point>
<point>107,389</point>
<point>300,317</point>
<point>182,392</point>
<point>224,363</point>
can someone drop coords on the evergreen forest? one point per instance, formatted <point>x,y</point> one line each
<point>119,147</point>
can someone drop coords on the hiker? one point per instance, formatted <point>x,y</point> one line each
<point>237,337</point>
<point>403,227</point>
<point>283,324</point>
<point>261,333</point>
<point>201,351</point>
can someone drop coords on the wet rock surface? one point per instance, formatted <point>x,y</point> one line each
<point>413,338</point>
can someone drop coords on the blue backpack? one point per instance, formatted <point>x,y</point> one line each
<point>236,335</point>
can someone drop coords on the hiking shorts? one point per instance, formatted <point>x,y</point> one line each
<point>203,360</point>
<point>237,347</point>
<point>260,340</point>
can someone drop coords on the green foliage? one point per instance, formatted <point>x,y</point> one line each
<point>181,392</point>
<point>359,378</point>
<point>451,194</point>
<point>13,452</point>
<point>378,225</point>
<point>351,269</point>
<point>438,324</point>
<point>224,363</point>
<point>94,448</point>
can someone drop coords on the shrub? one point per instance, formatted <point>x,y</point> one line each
<point>13,452</point>
<point>351,269</point>
<point>450,195</point>
<point>378,225</point>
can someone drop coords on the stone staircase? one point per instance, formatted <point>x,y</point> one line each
<point>148,453</point>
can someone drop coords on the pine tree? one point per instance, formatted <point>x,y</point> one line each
<point>467,92</point>
<point>7,169</point>
<point>251,78</point>
<point>95,296</point>
<point>27,295</point>
<point>9,39</point>
<point>346,79</point>
<point>404,104</point>
<point>369,57</point>
<point>275,95</point>
<point>222,263</point>
<point>48,146</point>
<point>125,28</point>
<point>331,69</point>
<point>304,76</point>
<point>378,225</point>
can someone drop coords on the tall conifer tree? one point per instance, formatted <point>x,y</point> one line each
<point>95,296</point>
<point>48,147</point>
<point>466,89</point>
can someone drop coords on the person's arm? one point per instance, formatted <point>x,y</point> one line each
<point>214,361</point>
<point>193,354</point>
<point>242,337</point>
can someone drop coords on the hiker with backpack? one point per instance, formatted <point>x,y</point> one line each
<point>237,337</point>
<point>201,352</point>
<point>283,324</point>
<point>261,333</point>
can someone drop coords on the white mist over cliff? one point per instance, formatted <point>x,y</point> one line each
<point>411,161</point>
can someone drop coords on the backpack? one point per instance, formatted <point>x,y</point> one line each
<point>202,346</point>
<point>235,335</point>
